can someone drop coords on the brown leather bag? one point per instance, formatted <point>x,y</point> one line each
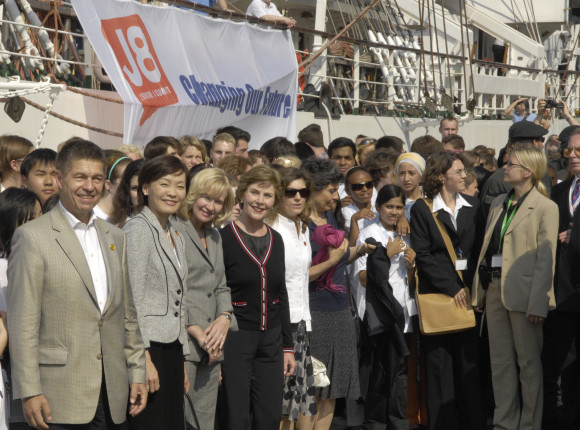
<point>438,313</point>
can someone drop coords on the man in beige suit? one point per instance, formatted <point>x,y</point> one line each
<point>75,345</point>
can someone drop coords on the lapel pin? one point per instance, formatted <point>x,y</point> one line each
<point>176,233</point>
<point>112,247</point>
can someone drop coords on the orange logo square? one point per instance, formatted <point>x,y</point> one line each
<point>138,60</point>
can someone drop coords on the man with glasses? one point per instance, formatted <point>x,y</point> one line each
<point>562,327</point>
<point>522,132</point>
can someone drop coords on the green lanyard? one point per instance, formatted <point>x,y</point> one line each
<point>507,219</point>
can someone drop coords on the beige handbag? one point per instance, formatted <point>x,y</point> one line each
<point>320,377</point>
<point>438,313</point>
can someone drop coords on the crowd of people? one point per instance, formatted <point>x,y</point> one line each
<point>278,288</point>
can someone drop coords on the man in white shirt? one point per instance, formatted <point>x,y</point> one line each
<point>76,349</point>
<point>268,11</point>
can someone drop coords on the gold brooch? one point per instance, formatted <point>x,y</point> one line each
<point>176,233</point>
<point>112,247</point>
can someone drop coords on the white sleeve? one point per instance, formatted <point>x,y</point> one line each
<point>360,263</point>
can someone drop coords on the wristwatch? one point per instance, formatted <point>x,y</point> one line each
<point>228,316</point>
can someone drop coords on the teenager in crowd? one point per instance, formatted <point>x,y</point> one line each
<point>38,173</point>
<point>116,164</point>
<point>126,199</point>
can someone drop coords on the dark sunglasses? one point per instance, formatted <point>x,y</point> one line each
<point>360,186</point>
<point>291,192</point>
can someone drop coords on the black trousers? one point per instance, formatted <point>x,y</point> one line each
<point>453,381</point>
<point>102,419</point>
<point>253,380</point>
<point>164,408</point>
<point>560,359</point>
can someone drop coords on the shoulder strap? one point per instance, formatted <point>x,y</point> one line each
<point>446,238</point>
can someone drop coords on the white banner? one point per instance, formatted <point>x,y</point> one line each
<point>181,73</point>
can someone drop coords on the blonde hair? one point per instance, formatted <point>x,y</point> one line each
<point>362,146</point>
<point>211,182</point>
<point>128,148</point>
<point>187,141</point>
<point>13,147</point>
<point>224,137</point>
<point>535,161</point>
<point>263,175</point>
<point>288,161</point>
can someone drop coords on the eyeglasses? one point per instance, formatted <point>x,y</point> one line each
<point>460,172</point>
<point>366,141</point>
<point>568,151</point>
<point>291,192</point>
<point>509,165</point>
<point>361,185</point>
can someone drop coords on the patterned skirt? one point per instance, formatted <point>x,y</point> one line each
<point>299,391</point>
<point>333,341</point>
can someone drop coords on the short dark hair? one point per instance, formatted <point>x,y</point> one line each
<point>79,149</point>
<point>448,118</point>
<point>158,146</point>
<point>157,168</point>
<point>352,171</point>
<point>277,147</point>
<point>437,164</point>
<point>455,140</point>
<point>380,162</point>
<point>312,134</point>
<point>323,172</point>
<point>303,151</point>
<point>391,142</point>
<point>341,142</point>
<point>388,192</point>
<point>426,145</point>
<point>42,156</point>
<point>235,132</point>
<point>16,207</point>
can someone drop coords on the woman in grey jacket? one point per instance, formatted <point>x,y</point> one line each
<point>157,271</point>
<point>208,303</point>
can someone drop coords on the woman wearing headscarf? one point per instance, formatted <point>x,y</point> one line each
<point>408,173</point>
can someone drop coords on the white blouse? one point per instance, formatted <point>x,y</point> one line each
<point>298,257</point>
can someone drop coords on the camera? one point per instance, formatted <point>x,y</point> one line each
<point>551,103</point>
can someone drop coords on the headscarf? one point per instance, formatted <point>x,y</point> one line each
<point>413,159</point>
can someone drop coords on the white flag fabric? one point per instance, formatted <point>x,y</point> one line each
<point>182,73</point>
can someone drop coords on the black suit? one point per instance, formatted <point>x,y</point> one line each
<point>562,328</point>
<point>453,383</point>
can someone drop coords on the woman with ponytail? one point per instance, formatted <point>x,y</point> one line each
<point>515,284</point>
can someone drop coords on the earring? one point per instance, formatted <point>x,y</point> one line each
<point>145,194</point>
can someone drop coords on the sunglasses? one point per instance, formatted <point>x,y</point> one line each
<point>291,192</point>
<point>361,185</point>
<point>567,152</point>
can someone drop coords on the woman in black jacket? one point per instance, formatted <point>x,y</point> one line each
<point>261,353</point>
<point>452,378</point>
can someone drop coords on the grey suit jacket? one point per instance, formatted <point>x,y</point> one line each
<point>59,340</point>
<point>528,255</point>
<point>207,294</point>
<point>157,278</point>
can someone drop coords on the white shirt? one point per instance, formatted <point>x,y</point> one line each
<point>89,240</point>
<point>573,207</point>
<point>408,205</point>
<point>100,213</point>
<point>397,273</point>
<point>259,8</point>
<point>349,211</point>
<point>439,204</point>
<point>298,257</point>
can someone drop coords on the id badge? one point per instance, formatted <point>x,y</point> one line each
<point>461,264</point>
<point>496,261</point>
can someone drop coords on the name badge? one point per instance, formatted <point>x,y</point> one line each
<point>496,261</point>
<point>461,264</point>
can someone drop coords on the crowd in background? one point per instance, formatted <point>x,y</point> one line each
<point>277,286</point>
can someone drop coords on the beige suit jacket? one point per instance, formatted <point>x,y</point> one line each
<point>60,343</point>
<point>529,255</point>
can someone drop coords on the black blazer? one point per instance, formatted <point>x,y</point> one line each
<point>434,266</point>
<point>566,279</point>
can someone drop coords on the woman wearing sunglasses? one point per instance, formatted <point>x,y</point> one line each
<point>515,283</point>
<point>358,215</point>
<point>291,221</point>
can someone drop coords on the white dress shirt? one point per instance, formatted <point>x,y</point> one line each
<point>89,240</point>
<point>438,204</point>
<point>259,8</point>
<point>298,257</point>
<point>397,273</point>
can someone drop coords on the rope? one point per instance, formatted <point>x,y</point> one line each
<point>72,121</point>
<point>95,96</point>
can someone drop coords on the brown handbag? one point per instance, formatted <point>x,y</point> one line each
<point>438,313</point>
